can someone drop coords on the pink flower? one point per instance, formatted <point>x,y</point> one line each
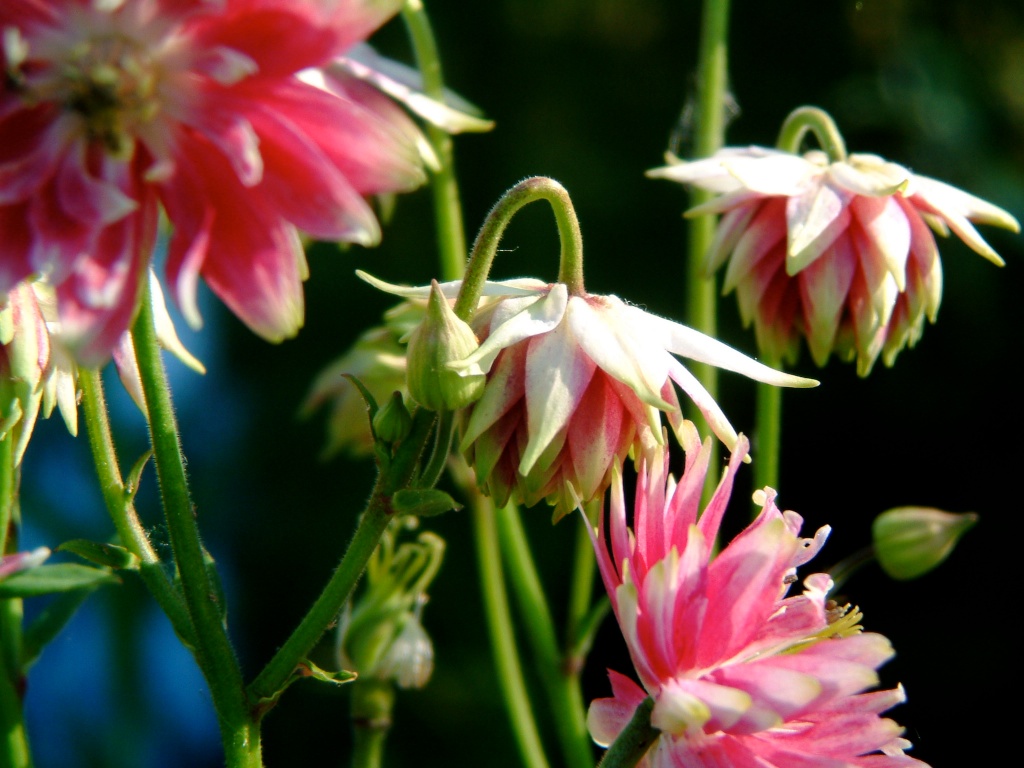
<point>839,253</point>
<point>741,674</point>
<point>113,111</point>
<point>574,384</point>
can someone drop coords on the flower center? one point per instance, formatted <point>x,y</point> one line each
<point>111,83</point>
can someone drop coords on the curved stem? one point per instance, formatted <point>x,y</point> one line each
<point>570,269</point>
<point>447,211</point>
<point>213,651</point>
<point>499,624</point>
<point>712,84</point>
<point>372,702</point>
<point>122,510</point>
<point>817,121</point>
<point>634,741</point>
<point>560,679</point>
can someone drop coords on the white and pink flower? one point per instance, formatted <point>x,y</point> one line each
<point>740,673</point>
<point>574,384</point>
<point>235,118</point>
<point>838,252</point>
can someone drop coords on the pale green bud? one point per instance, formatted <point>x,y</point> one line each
<point>440,339</point>
<point>392,422</point>
<point>910,541</point>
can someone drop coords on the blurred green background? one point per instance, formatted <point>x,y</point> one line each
<point>591,93</point>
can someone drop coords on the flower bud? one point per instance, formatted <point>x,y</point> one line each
<point>440,339</point>
<point>392,422</point>
<point>910,541</point>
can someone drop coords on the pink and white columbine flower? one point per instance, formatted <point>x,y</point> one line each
<point>574,384</point>
<point>838,252</point>
<point>211,110</point>
<point>741,674</point>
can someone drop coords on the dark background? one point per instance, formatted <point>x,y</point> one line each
<point>589,92</point>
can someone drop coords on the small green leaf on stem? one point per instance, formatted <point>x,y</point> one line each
<point>109,555</point>
<point>423,502</point>
<point>51,579</point>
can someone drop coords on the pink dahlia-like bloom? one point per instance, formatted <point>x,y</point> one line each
<point>574,384</point>
<point>233,117</point>
<point>741,674</point>
<point>837,252</point>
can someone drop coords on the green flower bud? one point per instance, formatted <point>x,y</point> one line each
<point>910,541</point>
<point>392,422</point>
<point>440,339</point>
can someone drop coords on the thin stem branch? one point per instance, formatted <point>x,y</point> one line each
<point>447,210</point>
<point>122,510</point>
<point>213,651</point>
<point>804,120</point>
<point>768,436</point>
<point>712,84</point>
<point>499,623</point>
<point>560,679</point>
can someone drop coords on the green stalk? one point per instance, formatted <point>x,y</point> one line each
<point>122,510</point>
<point>14,745</point>
<point>634,741</point>
<point>804,120</point>
<point>372,702</point>
<point>712,84</point>
<point>213,651</point>
<point>499,624</point>
<point>768,434</point>
<point>570,270</point>
<point>559,676</point>
<point>447,209</point>
<point>373,521</point>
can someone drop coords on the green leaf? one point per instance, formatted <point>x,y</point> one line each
<point>110,555</point>
<point>307,668</point>
<point>131,486</point>
<point>50,579</point>
<point>422,502</point>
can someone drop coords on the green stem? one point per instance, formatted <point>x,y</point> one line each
<point>14,745</point>
<point>372,702</point>
<point>812,119</point>
<point>634,741</point>
<point>447,210</point>
<point>570,271</point>
<point>712,83</point>
<point>213,651</point>
<point>274,677</point>
<point>122,510</point>
<point>582,582</point>
<point>768,434</point>
<point>499,623</point>
<point>560,678</point>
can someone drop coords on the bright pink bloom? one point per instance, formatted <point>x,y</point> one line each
<point>111,111</point>
<point>741,675</point>
<point>837,252</point>
<point>574,384</point>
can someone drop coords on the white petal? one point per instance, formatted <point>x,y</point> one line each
<point>557,374</point>
<point>517,287</point>
<point>870,175</point>
<point>814,220</point>
<point>621,350</point>
<point>705,403</point>
<point>539,317</point>
<point>687,342</point>
<point>889,231</point>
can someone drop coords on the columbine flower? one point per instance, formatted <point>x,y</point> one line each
<point>36,374</point>
<point>110,111</point>
<point>838,252</point>
<point>740,674</point>
<point>573,384</point>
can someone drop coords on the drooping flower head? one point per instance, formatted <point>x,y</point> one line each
<point>831,248</point>
<point>574,384</point>
<point>233,117</point>
<point>741,674</point>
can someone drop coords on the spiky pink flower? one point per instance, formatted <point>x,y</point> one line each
<point>838,252</point>
<point>741,674</point>
<point>213,111</point>
<point>574,384</point>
